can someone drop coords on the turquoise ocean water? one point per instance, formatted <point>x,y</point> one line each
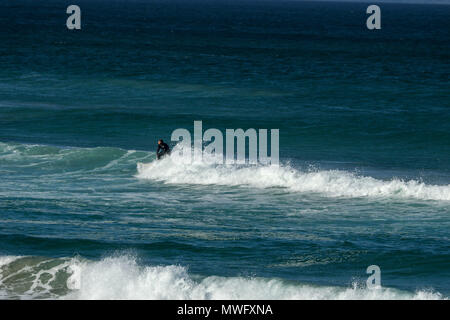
<point>364,178</point>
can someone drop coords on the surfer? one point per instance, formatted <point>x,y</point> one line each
<point>162,150</point>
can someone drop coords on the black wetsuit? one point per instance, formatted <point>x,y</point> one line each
<point>163,149</point>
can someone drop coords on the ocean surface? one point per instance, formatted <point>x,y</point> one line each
<point>86,212</point>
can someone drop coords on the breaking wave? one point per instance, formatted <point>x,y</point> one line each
<point>332,183</point>
<point>329,183</point>
<point>122,277</point>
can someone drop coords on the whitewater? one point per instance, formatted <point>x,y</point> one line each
<point>172,170</point>
<point>195,227</point>
<point>87,212</point>
<point>329,183</point>
<point>121,277</point>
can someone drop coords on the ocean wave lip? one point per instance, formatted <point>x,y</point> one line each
<point>121,277</point>
<point>330,183</point>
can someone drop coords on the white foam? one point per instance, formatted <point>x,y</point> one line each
<point>32,277</point>
<point>122,278</point>
<point>331,183</point>
<point>5,260</point>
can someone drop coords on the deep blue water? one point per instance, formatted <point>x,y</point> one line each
<point>364,120</point>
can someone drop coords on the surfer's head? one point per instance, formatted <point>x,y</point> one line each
<point>160,141</point>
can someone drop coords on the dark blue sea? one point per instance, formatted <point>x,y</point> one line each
<point>87,212</point>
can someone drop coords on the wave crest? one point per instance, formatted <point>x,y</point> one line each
<point>331,183</point>
<point>121,277</point>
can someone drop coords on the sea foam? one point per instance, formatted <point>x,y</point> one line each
<point>122,277</point>
<point>329,183</point>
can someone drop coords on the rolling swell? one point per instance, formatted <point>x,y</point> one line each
<point>56,159</point>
